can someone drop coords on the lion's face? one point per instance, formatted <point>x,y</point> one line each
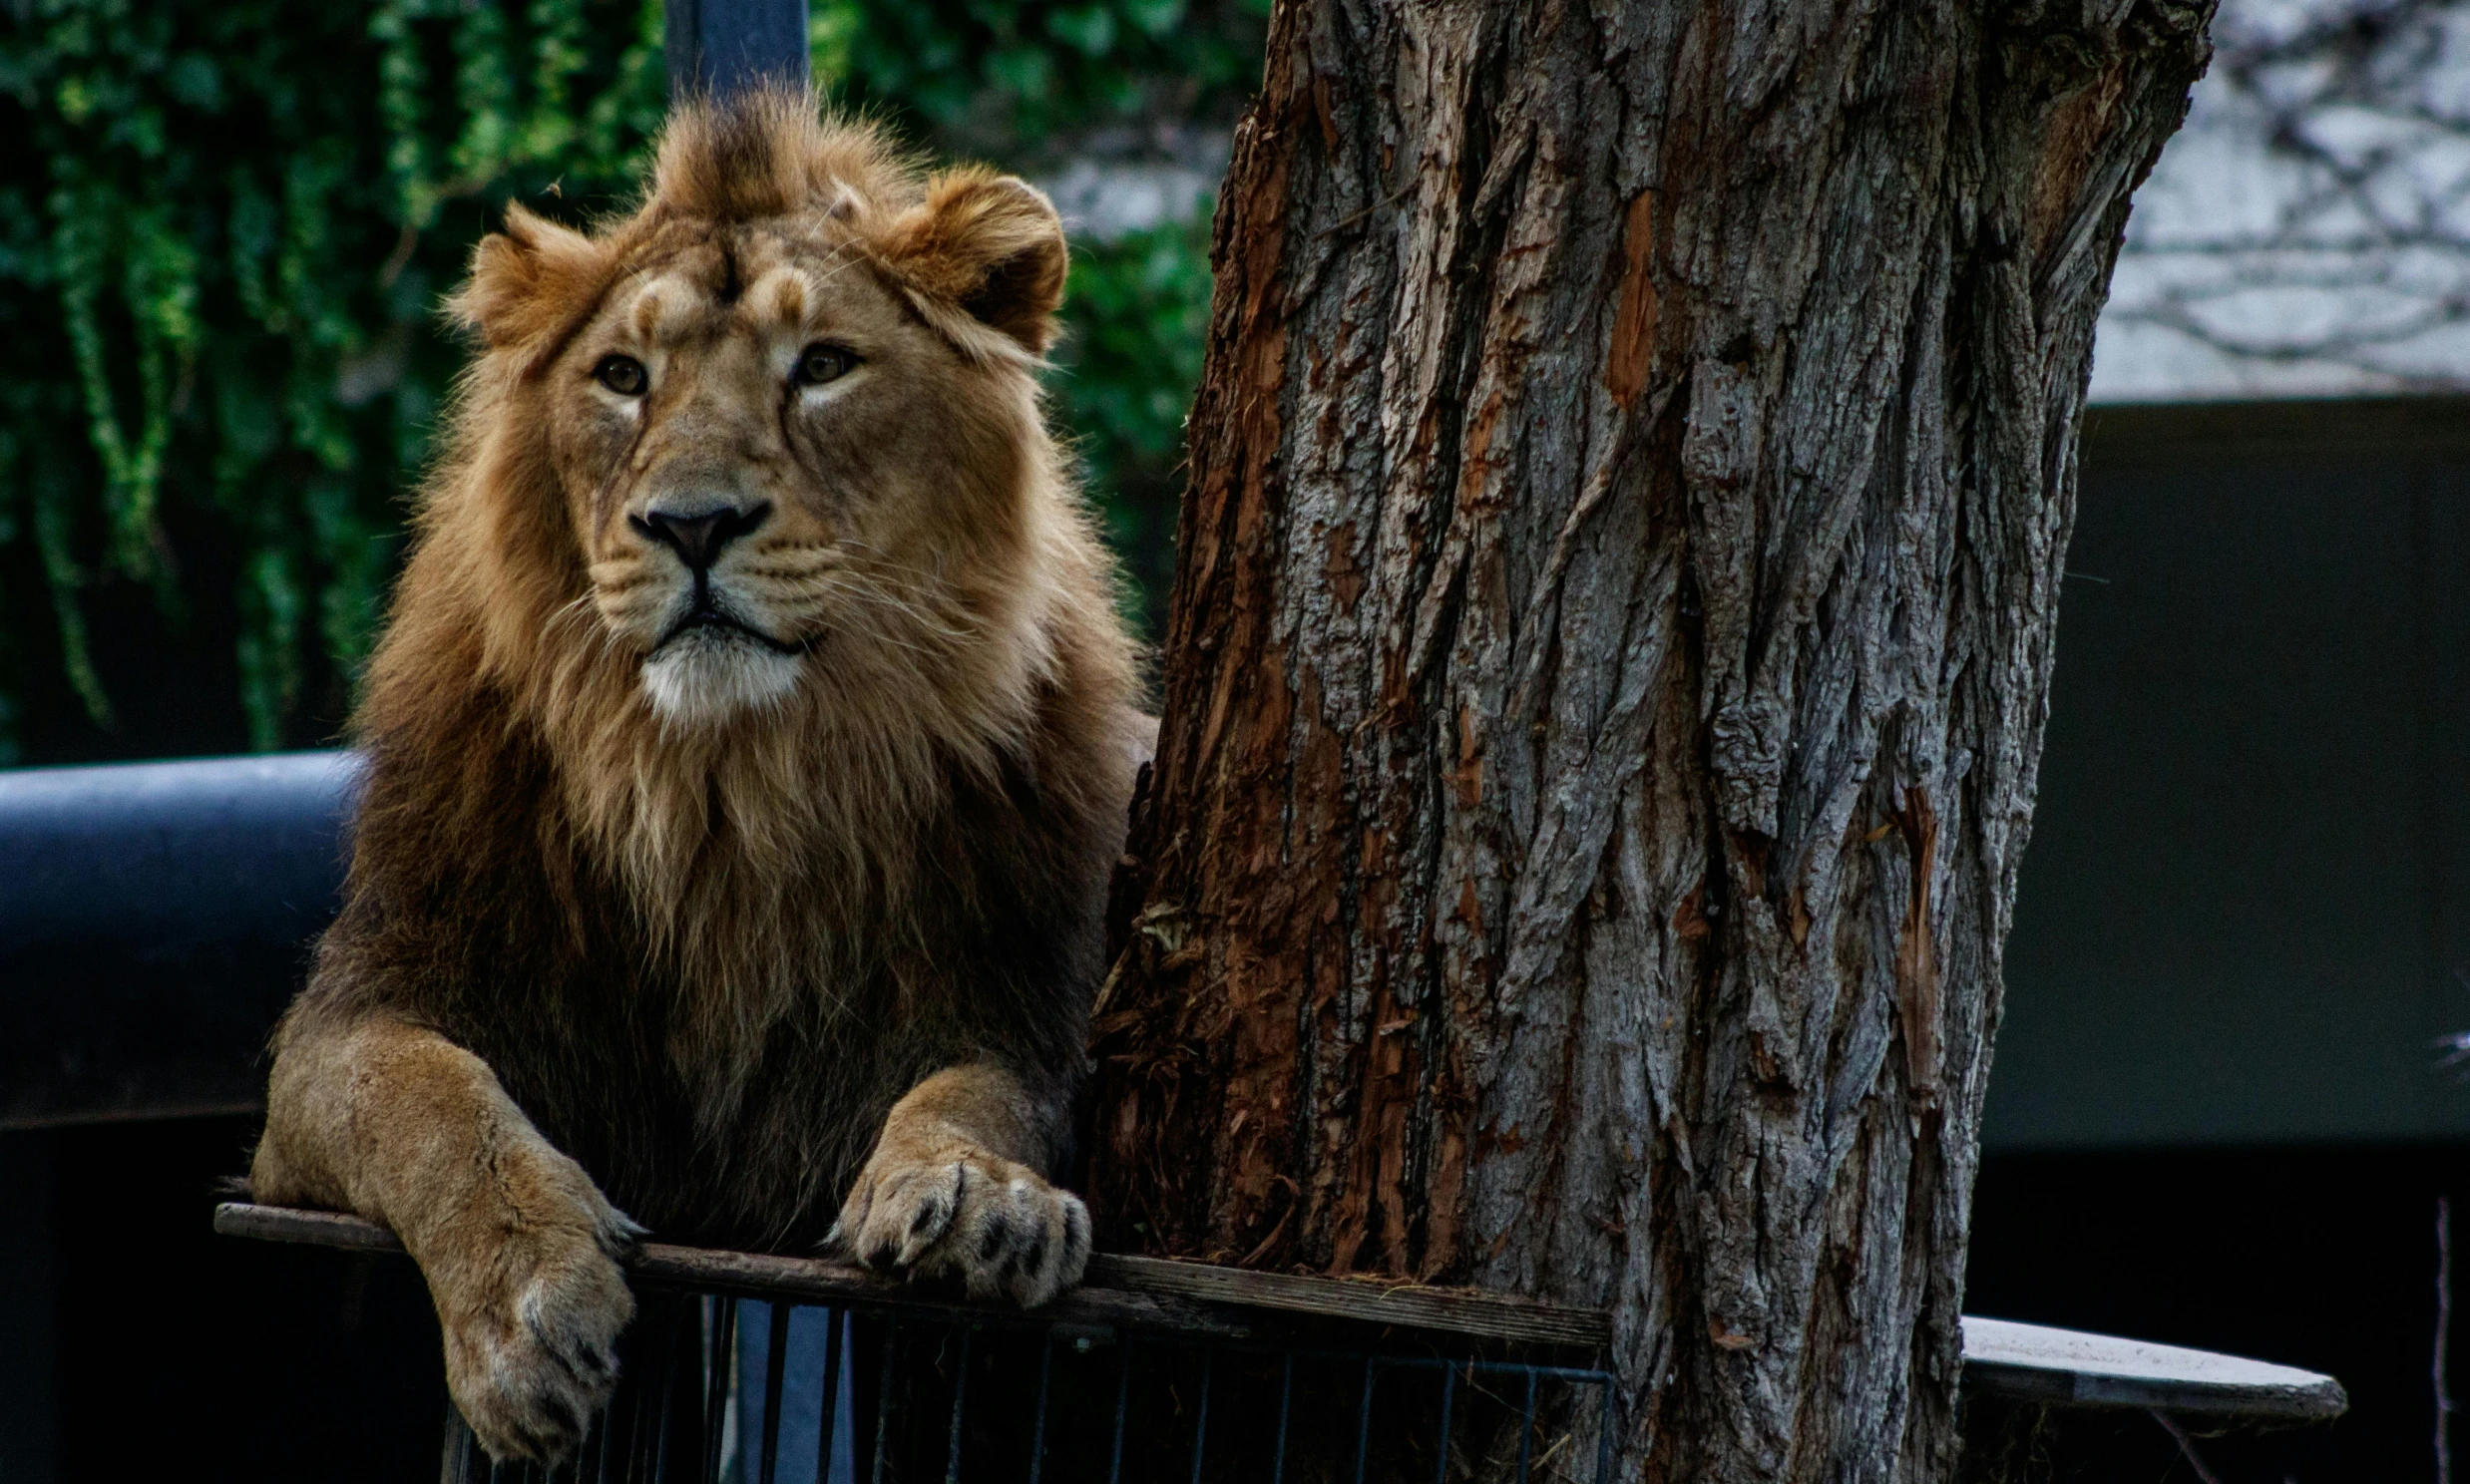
<point>762,447</point>
<point>789,408</point>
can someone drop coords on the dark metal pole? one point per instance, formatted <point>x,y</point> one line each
<point>721,47</point>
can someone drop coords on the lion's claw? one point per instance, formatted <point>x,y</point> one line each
<point>997,1226</point>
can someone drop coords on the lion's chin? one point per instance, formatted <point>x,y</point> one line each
<point>706,676</point>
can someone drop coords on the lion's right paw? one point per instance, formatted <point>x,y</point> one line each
<point>532,1324</point>
<point>999,1228</point>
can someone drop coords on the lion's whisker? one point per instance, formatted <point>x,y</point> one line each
<point>865,591</point>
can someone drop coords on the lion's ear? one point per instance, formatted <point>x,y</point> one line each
<point>988,244</point>
<point>528,280</point>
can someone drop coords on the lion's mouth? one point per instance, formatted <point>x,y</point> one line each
<point>707,618</point>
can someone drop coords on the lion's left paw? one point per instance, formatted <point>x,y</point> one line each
<point>997,1226</point>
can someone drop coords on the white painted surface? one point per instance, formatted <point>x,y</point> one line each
<point>1114,182</point>
<point>2007,1343</point>
<point>1101,200</point>
<point>2068,1367</point>
<point>2308,233</point>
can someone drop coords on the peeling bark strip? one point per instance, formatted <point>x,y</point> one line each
<point>1917,959</point>
<point>1606,675</point>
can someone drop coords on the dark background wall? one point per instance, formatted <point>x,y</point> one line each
<point>176,1354</point>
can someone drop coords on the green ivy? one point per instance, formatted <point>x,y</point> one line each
<point>224,227</point>
<point>1138,312</point>
<point>1001,77</point>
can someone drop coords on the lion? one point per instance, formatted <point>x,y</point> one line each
<point>749,746</point>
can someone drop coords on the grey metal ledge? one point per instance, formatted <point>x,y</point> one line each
<point>2068,1367</point>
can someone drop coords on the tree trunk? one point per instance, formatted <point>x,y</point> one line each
<point>1606,675</point>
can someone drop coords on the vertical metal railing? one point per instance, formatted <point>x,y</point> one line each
<point>688,1408</point>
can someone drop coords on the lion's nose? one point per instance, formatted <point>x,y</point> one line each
<point>699,538</point>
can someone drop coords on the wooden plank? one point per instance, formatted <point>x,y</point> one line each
<point>1470,1311</point>
<point>824,1281</point>
<point>812,1279</point>
<point>1145,1293</point>
<point>317,1228</point>
<point>2068,1367</point>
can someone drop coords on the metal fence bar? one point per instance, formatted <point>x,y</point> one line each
<point>636,1430</point>
<point>775,1367</point>
<point>835,1337</point>
<point>1449,1395</point>
<point>882,1396</point>
<point>1603,1439</point>
<point>720,1317</point>
<point>1123,1389</point>
<point>1434,1363</point>
<point>959,1403</point>
<point>668,1397</point>
<point>1526,1429</point>
<point>1038,1435</point>
<point>1200,1425</point>
<point>1363,1421</point>
<point>1286,1396</point>
<point>635,1436</point>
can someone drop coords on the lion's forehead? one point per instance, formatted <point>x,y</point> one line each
<point>763,287</point>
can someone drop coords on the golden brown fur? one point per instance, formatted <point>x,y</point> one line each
<point>748,747</point>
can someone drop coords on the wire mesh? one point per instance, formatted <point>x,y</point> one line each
<point>854,1393</point>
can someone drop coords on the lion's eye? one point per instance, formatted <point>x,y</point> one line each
<point>818,364</point>
<point>624,375</point>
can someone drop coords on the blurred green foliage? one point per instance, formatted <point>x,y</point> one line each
<point>225,225</point>
<point>1140,313</point>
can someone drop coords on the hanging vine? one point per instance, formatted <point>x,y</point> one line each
<point>227,222</point>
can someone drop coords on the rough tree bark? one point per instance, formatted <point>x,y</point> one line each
<point>1606,675</point>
